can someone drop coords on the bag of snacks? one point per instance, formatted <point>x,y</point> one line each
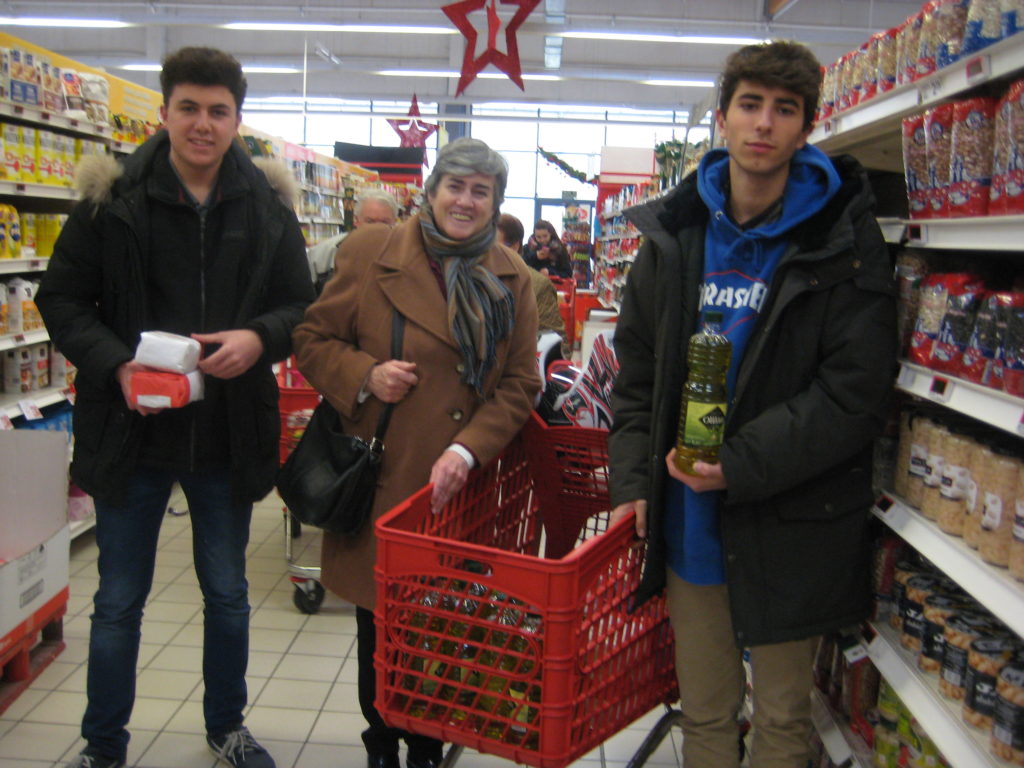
<point>1001,148</point>
<point>915,166</point>
<point>1014,185</point>
<point>928,39</point>
<point>1011,352</point>
<point>970,156</point>
<point>938,133</point>
<point>945,319</point>
<point>907,43</point>
<point>1013,16</point>
<point>950,22</point>
<point>885,73</point>
<point>983,26</point>
<point>980,361</point>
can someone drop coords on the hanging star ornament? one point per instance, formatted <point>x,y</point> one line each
<point>506,62</point>
<point>413,131</point>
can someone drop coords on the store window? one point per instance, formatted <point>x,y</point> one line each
<point>522,172</point>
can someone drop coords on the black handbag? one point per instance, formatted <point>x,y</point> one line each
<point>330,479</point>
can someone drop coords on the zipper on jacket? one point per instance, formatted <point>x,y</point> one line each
<point>201,211</point>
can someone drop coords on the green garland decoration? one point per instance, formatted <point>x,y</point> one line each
<point>565,167</point>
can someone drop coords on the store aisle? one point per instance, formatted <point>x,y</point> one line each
<point>302,671</point>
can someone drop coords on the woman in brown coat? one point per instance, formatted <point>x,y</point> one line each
<point>464,383</point>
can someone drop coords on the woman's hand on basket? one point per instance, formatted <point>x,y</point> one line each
<point>640,508</point>
<point>390,381</point>
<point>448,475</point>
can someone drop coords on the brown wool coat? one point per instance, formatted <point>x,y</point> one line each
<point>348,330</point>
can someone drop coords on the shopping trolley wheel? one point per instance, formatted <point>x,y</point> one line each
<point>308,596</point>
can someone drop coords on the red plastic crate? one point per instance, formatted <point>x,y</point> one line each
<point>295,405</point>
<point>496,638</point>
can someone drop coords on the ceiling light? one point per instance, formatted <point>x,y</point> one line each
<point>656,38</point>
<point>141,67</point>
<point>259,69</point>
<point>453,74</point>
<point>261,26</point>
<point>682,83</point>
<point>552,52</point>
<point>34,21</point>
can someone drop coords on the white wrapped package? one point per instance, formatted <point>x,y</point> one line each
<point>168,352</point>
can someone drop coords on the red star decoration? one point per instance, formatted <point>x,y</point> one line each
<point>413,132</point>
<point>506,62</point>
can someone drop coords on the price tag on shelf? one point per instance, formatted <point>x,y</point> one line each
<point>907,377</point>
<point>30,409</point>
<point>884,504</point>
<point>941,389</point>
<point>929,91</point>
<point>977,69</point>
<point>19,338</point>
<point>917,234</point>
<point>5,421</point>
<point>854,653</point>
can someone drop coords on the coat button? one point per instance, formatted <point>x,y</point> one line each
<point>460,368</point>
<point>731,557</point>
<point>814,281</point>
<point>829,507</point>
<point>856,263</point>
<point>456,415</point>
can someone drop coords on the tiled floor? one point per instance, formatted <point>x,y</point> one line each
<point>302,671</point>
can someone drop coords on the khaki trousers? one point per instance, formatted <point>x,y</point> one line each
<point>712,682</point>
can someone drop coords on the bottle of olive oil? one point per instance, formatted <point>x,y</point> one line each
<point>705,400</point>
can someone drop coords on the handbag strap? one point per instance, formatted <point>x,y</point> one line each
<point>397,331</point>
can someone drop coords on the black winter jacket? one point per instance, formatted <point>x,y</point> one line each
<point>812,392</point>
<point>135,255</point>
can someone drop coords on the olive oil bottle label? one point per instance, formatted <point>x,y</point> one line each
<point>704,424</point>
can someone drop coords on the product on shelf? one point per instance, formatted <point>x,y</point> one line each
<point>955,479</point>
<point>938,607</point>
<point>1008,713</point>
<point>983,26</point>
<point>998,488</point>
<point>938,130</point>
<point>961,630</point>
<point>985,659</point>
<point>886,63</point>
<point>944,319</point>
<point>17,364</point>
<point>970,164</point>
<point>915,165</point>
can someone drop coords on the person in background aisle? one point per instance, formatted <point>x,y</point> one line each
<point>510,233</point>
<point>374,206</point>
<point>464,385</point>
<point>768,548</point>
<point>185,235</point>
<point>546,253</point>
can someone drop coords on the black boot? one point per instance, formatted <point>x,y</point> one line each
<point>385,760</point>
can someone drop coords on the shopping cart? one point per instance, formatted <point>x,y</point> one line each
<point>296,406</point>
<point>506,624</point>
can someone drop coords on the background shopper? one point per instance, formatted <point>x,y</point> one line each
<point>510,233</point>
<point>463,387</point>
<point>768,548</point>
<point>546,253</point>
<point>185,235</point>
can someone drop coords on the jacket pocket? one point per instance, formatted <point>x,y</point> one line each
<point>828,497</point>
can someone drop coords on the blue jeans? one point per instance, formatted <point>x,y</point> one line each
<point>127,534</point>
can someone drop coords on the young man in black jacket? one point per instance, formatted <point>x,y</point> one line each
<point>767,548</point>
<point>188,236</point>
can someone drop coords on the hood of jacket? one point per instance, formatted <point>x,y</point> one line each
<point>97,176</point>
<point>811,183</point>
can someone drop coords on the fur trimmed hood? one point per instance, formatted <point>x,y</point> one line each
<point>96,175</point>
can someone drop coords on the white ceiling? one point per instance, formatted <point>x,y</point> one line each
<point>594,72</point>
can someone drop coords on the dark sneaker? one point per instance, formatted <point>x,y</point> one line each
<point>88,760</point>
<point>239,748</point>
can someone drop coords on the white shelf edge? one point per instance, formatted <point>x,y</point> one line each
<point>46,118</point>
<point>940,718</point>
<point>840,742</point>
<point>32,189</point>
<point>892,229</point>
<point>993,587</point>
<point>980,233</point>
<point>23,339</point>
<point>33,264</point>
<point>78,527</point>
<point>991,406</point>
<point>41,397</point>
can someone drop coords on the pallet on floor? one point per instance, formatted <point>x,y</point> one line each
<point>29,648</point>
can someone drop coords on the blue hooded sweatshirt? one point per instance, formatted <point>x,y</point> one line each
<point>739,265</point>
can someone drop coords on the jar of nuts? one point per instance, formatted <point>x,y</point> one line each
<point>962,629</point>
<point>902,573</point>
<point>937,608</point>
<point>919,589</point>
<point>986,657</point>
<point>953,484</point>
<point>998,488</point>
<point>981,457</point>
<point>1008,713</point>
<point>934,464</point>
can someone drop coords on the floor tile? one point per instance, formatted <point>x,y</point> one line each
<point>22,705</point>
<point>338,728</point>
<point>294,694</point>
<point>175,750</point>
<point>302,667</point>
<point>333,756</point>
<point>188,718</point>
<point>279,724</point>
<point>177,593</point>
<point>178,657</point>
<point>37,741</point>
<point>271,639</point>
<point>268,618</point>
<point>151,714</point>
<point>322,644</point>
<point>181,613</point>
<point>165,684</point>
<point>344,697</point>
<point>58,708</point>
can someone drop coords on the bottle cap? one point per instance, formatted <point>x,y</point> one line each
<point>712,316</point>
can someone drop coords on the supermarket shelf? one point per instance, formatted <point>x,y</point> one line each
<point>30,189</point>
<point>320,220</point>
<point>42,118</point>
<point>991,406</point>
<point>962,746</point>
<point>893,229</point>
<point>78,527</point>
<point>21,339</point>
<point>11,266</point>
<point>320,190</point>
<point>844,747</point>
<point>872,130</point>
<point>9,404</point>
<point>991,586</point>
<point>982,233</point>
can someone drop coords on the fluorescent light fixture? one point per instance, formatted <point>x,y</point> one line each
<point>262,26</point>
<point>38,21</point>
<point>450,73</point>
<point>682,83</point>
<point>254,69</point>
<point>656,38</point>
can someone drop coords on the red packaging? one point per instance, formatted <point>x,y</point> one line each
<point>161,389</point>
<point>1014,187</point>
<point>869,85</point>
<point>936,342</point>
<point>927,44</point>
<point>1012,353</point>
<point>885,73</point>
<point>938,131</point>
<point>981,361</point>
<point>970,157</point>
<point>1001,149</point>
<point>915,166</point>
